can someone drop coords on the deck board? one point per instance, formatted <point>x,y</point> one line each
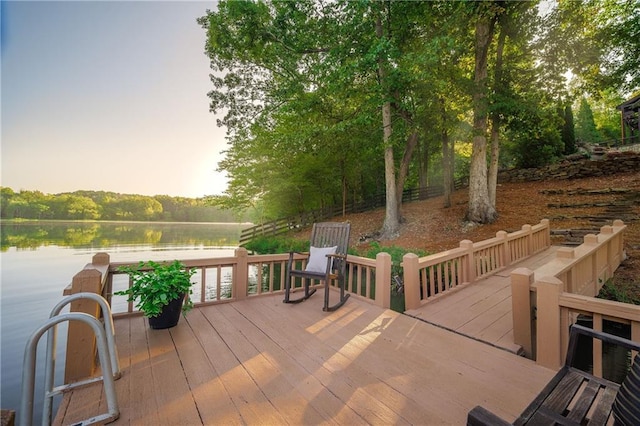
<point>481,310</point>
<point>259,361</point>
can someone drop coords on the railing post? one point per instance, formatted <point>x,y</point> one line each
<point>504,253</point>
<point>241,275</point>
<point>592,240</point>
<point>383,280</point>
<point>568,253</point>
<point>547,234</point>
<point>548,333</point>
<point>411,279</point>
<point>617,249</point>
<point>606,236</point>
<point>528,229</point>
<point>470,265</point>
<point>521,281</point>
<point>81,342</point>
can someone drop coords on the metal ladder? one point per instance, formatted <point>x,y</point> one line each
<point>105,338</point>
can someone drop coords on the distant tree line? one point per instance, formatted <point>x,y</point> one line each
<point>101,205</point>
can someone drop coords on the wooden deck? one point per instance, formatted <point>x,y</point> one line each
<point>482,310</point>
<point>260,361</point>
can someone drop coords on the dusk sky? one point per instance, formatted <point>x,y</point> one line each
<point>108,96</point>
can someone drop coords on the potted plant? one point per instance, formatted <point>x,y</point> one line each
<point>159,290</point>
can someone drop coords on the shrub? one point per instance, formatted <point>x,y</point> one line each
<point>272,245</point>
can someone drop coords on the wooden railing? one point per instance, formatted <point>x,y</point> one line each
<point>227,279</point>
<point>433,276</point>
<point>548,300</point>
<point>81,343</point>
<point>282,226</point>
<point>218,280</point>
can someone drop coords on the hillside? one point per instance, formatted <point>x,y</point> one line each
<point>578,204</point>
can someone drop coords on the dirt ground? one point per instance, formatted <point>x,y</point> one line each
<point>569,204</point>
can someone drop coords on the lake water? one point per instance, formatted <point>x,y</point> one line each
<point>39,259</point>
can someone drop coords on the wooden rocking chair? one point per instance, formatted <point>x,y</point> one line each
<point>327,260</point>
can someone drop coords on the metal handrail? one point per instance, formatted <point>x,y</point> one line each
<point>29,368</point>
<point>108,325</point>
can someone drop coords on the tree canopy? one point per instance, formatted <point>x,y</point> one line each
<point>333,102</point>
<point>101,205</point>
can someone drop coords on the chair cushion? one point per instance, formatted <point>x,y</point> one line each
<point>626,407</point>
<point>318,258</point>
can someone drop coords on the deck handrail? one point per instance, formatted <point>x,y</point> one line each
<point>430,277</point>
<point>222,280</point>
<point>226,279</point>
<point>552,296</point>
<point>28,376</point>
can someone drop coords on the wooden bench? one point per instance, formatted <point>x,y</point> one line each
<point>575,397</point>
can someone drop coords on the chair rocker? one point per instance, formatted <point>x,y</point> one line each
<point>326,261</point>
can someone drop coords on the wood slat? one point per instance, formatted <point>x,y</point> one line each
<point>482,310</point>
<point>260,361</point>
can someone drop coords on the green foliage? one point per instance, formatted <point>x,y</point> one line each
<point>534,138</point>
<point>154,285</point>
<point>626,291</point>
<point>586,130</point>
<point>396,253</point>
<point>300,87</point>
<point>100,205</point>
<point>272,245</point>
<point>568,131</point>
<point>606,115</point>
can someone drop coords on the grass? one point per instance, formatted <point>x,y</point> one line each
<point>624,290</point>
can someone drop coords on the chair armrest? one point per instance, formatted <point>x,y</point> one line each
<point>608,338</point>
<point>480,416</point>
<point>338,255</point>
<point>605,337</point>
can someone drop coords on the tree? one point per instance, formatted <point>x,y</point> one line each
<point>585,124</point>
<point>328,68</point>
<point>568,131</point>
<point>480,209</point>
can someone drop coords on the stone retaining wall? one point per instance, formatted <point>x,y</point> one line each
<point>611,163</point>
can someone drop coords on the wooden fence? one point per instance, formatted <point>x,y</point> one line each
<point>551,298</point>
<point>282,226</point>
<point>433,276</point>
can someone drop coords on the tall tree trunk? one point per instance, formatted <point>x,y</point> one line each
<point>447,157</point>
<point>496,122</point>
<point>404,165</point>
<point>423,170</point>
<point>480,209</point>
<point>391,224</point>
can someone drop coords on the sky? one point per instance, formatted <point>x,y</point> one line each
<point>108,96</point>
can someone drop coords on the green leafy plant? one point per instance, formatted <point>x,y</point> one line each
<point>154,285</point>
<point>271,245</point>
<point>621,290</point>
<point>397,285</point>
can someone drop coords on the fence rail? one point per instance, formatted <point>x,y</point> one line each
<point>217,280</point>
<point>282,226</point>
<point>548,300</point>
<point>433,276</point>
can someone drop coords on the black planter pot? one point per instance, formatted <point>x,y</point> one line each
<point>169,316</point>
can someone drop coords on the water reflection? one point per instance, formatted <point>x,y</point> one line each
<point>30,235</point>
<point>39,259</point>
